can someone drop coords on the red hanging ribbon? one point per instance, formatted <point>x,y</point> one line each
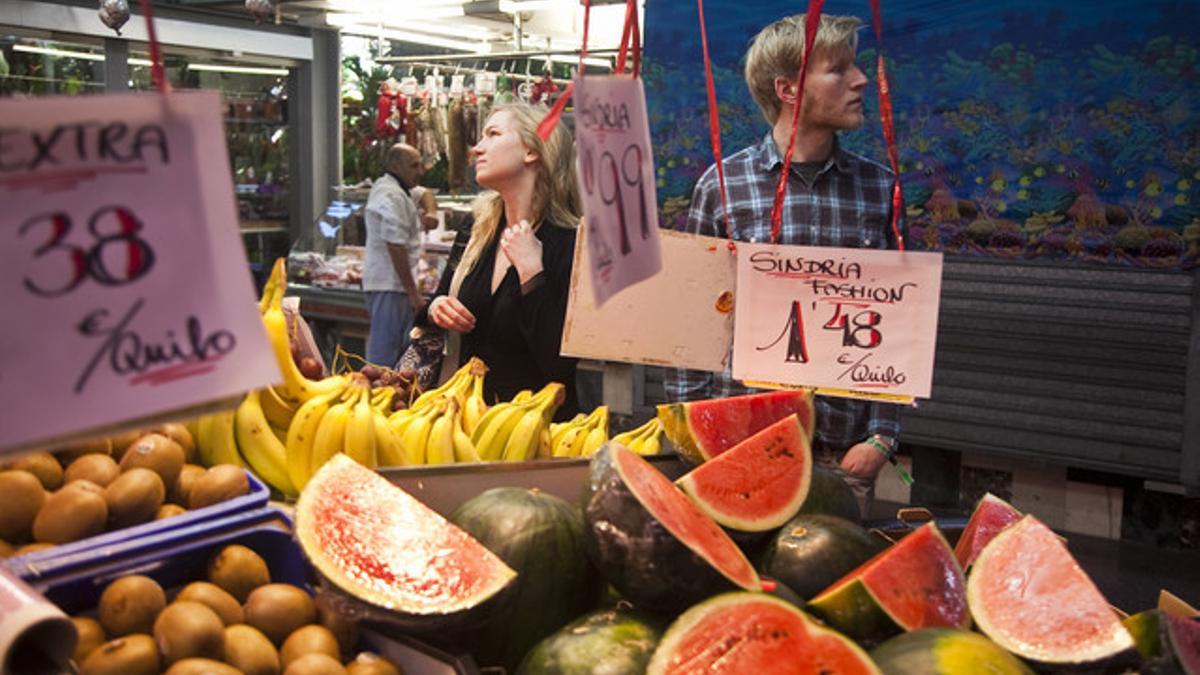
<point>157,76</point>
<point>587,18</point>
<point>885,118</point>
<point>714,123</point>
<point>630,40</point>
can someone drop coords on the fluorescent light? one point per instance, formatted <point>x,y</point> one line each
<point>419,38</point>
<point>379,5</point>
<point>514,6</point>
<point>574,60</point>
<point>31,49</point>
<point>216,68</point>
<point>140,62</point>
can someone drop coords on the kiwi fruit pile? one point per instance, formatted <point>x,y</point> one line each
<point>104,484</point>
<point>235,621</point>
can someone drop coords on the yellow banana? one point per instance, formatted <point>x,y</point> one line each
<point>543,450</point>
<point>301,435</point>
<point>281,434</point>
<point>261,449</point>
<point>592,442</point>
<point>523,441</point>
<point>295,385</point>
<point>562,447</point>
<point>279,411</point>
<point>381,398</point>
<point>224,444</point>
<point>415,438</point>
<point>428,397</point>
<point>440,446</point>
<point>331,433</point>
<point>388,450</point>
<point>651,444</point>
<point>464,449</point>
<point>491,436</point>
<point>204,438</point>
<point>523,396</point>
<point>359,442</point>
<point>475,406</point>
<point>193,426</point>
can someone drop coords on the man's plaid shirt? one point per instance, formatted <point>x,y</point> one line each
<point>848,205</point>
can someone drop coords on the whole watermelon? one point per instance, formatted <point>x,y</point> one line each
<point>612,641</point>
<point>828,493</point>
<point>812,551</point>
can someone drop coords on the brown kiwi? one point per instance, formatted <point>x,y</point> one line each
<point>219,483</point>
<point>343,628</point>
<point>156,452</point>
<point>239,571</point>
<point>129,655</point>
<point>75,512</point>
<point>310,639</point>
<point>134,497</point>
<point>216,598</point>
<point>315,664</point>
<point>370,663</point>
<point>21,497</point>
<point>279,609</point>
<point>44,466</point>
<point>250,651</point>
<point>31,548</point>
<point>129,605</point>
<point>201,667</point>
<point>70,453</point>
<point>91,635</point>
<point>169,511</point>
<point>122,441</point>
<point>99,469</point>
<point>179,493</point>
<point>189,629</point>
<point>179,433</point>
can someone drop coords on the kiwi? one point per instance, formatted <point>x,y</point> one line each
<point>129,655</point>
<point>279,609</point>
<point>91,446</point>
<point>201,667</point>
<point>219,483</point>
<point>44,466</point>
<point>310,639</point>
<point>99,469</point>
<point>250,651</point>
<point>239,571</point>
<point>6,549</point>
<point>129,605</point>
<point>134,497</point>
<point>216,598</point>
<point>91,635</point>
<point>169,511</point>
<point>158,453</point>
<point>370,663</point>
<point>315,664</point>
<point>189,629</point>
<point>182,489</point>
<point>31,548</point>
<point>75,512</point>
<point>122,441</point>
<point>179,433</point>
<point>344,628</point>
<point>21,498</point>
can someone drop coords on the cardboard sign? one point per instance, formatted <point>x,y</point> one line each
<point>681,317</point>
<point>616,174</point>
<point>841,320</point>
<point>126,289</point>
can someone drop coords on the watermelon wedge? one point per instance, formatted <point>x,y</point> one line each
<point>945,651</point>
<point>377,544</point>
<point>1032,598</point>
<point>650,541</point>
<point>701,430</point>
<point>915,583</point>
<point>758,484</point>
<point>1166,643</point>
<point>754,633</point>
<point>991,515</point>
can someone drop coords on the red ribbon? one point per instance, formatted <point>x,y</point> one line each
<point>157,76</point>
<point>885,118</point>
<point>630,40</point>
<point>714,123</point>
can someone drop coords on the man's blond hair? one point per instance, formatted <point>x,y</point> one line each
<point>778,49</point>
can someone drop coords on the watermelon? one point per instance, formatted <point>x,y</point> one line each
<point>915,583</point>
<point>754,633</point>
<point>378,545</point>
<point>1032,598</point>
<point>1167,643</point>
<point>615,641</point>
<point>813,551</point>
<point>945,651</point>
<point>829,494</point>
<point>650,541</point>
<point>991,515</point>
<point>701,430</point>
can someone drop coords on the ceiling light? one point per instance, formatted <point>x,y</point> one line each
<point>140,62</point>
<point>588,61</point>
<point>380,5</point>
<point>31,49</point>
<point>241,70</point>
<point>514,6</point>
<point>418,38</point>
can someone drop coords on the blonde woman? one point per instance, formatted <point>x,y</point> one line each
<point>507,298</point>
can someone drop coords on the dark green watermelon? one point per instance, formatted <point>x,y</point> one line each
<point>612,642</point>
<point>828,493</point>
<point>1169,645</point>
<point>812,551</point>
<point>945,651</point>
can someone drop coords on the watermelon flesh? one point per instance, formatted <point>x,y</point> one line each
<point>758,484</point>
<point>990,517</point>
<point>754,633</point>
<point>1166,643</point>
<point>1031,597</point>
<point>378,544</point>
<point>701,430</point>
<point>1185,640</point>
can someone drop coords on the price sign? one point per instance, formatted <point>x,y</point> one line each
<point>846,321</point>
<point>126,288</point>
<point>616,174</point>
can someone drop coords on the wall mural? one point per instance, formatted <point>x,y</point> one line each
<point>1032,129</point>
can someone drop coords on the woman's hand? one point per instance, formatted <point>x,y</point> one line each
<point>449,313</point>
<point>523,249</point>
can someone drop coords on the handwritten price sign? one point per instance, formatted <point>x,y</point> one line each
<point>616,172</point>
<point>846,321</point>
<point>126,289</point>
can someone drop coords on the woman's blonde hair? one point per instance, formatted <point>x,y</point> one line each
<point>555,194</point>
<point>778,49</point>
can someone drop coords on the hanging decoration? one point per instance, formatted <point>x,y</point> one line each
<point>114,13</point>
<point>261,10</point>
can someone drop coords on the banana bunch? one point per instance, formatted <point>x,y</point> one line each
<point>644,440</point>
<point>582,436</point>
<point>216,439</point>
<point>351,421</point>
<point>296,388</point>
<point>466,387</point>
<point>433,434</point>
<point>519,430</point>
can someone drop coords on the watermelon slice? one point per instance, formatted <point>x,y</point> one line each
<point>1167,643</point>
<point>754,633</point>
<point>701,430</point>
<point>991,515</point>
<point>377,544</point>
<point>758,484</point>
<point>1029,596</point>
<point>915,583</point>
<point>650,541</point>
<point>945,651</point>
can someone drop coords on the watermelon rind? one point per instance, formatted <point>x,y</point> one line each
<point>381,548</point>
<point>1044,613</point>
<point>1168,645</point>
<point>813,551</point>
<point>945,651</point>
<point>730,649</point>
<point>617,641</point>
<point>829,494</point>
<point>777,458</point>
<point>990,517</point>
<point>730,420</point>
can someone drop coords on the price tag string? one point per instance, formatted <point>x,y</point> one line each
<point>714,126</point>
<point>157,75</point>
<point>885,119</point>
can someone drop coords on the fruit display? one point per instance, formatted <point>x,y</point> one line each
<point>644,440</point>
<point>813,550</point>
<point>945,651</point>
<point>582,436</point>
<point>1167,643</point>
<point>613,641</point>
<point>701,430</point>
<point>990,517</point>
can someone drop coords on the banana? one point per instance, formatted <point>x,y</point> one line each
<point>651,444</point>
<point>224,444</point>
<point>543,450</point>
<point>523,441</point>
<point>331,433</point>
<point>440,446</point>
<point>193,427</point>
<point>359,442</point>
<point>456,380</point>
<point>491,436</point>
<point>416,436</point>
<point>562,447</point>
<point>204,438</point>
<point>464,449</point>
<point>261,449</point>
<point>301,434</point>
<point>278,410</point>
<point>592,442</point>
<point>388,450</point>
<point>381,398</point>
<point>475,406</point>
<point>295,385</point>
